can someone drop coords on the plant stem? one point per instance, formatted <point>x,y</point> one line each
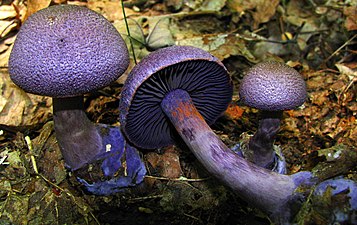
<point>128,31</point>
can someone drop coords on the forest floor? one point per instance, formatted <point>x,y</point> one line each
<point>317,38</point>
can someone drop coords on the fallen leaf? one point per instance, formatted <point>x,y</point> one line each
<point>18,108</point>
<point>346,70</point>
<point>4,57</point>
<point>35,5</point>
<point>319,97</point>
<point>241,5</point>
<point>212,5</point>
<point>262,10</point>
<point>330,124</point>
<point>174,5</point>
<point>6,27</point>
<point>159,34</point>
<point>234,111</point>
<point>7,12</point>
<point>166,164</point>
<point>222,46</point>
<point>111,10</point>
<point>351,17</point>
<point>315,80</point>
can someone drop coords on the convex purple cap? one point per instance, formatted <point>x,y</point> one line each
<point>191,69</point>
<point>273,86</point>
<point>66,50</point>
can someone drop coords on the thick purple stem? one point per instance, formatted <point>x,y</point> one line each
<point>77,136</point>
<point>103,146</point>
<point>261,144</point>
<point>269,191</point>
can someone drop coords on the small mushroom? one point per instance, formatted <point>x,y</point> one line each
<point>65,51</point>
<point>174,93</point>
<point>271,87</point>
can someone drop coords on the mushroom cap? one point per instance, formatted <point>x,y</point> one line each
<point>191,69</point>
<point>273,86</point>
<point>65,51</point>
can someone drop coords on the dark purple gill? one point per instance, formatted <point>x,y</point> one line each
<point>191,69</point>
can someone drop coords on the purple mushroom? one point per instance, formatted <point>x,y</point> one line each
<point>64,52</point>
<point>174,93</point>
<point>189,73</point>
<point>271,87</point>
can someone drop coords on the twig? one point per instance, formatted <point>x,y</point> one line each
<point>128,31</point>
<point>193,217</point>
<point>132,200</point>
<point>179,179</point>
<point>339,49</point>
<point>346,88</point>
<point>30,147</point>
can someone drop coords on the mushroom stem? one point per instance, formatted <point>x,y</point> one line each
<point>269,191</point>
<point>83,142</point>
<point>261,144</point>
<point>77,136</point>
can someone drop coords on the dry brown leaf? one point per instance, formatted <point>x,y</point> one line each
<point>111,10</point>
<point>315,80</point>
<point>319,97</point>
<point>346,70</point>
<point>4,56</point>
<point>351,20</point>
<point>313,112</point>
<point>263,10</point>
<point>233,46</point>
<point>343,125</point>
<point>6,27</point>
<point>18,108</point>
<point>234,111</point>
<point>213,5</point>
<point>222,46</point>
<point>352,106</point>
<point>353,132</point>
<point>35,5</point>
<point>291,124</point>
<point>59,1</point>
<point>7,12</point>
<point>166,164</point>
<point>241,5</point>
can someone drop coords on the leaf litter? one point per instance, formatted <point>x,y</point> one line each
<point>316,38</point>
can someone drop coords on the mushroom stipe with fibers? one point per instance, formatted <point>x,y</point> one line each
<point>271,87</point>
<point>65,51</point>
<point>164,98</point>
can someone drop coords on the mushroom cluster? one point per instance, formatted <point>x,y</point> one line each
<point>173,95</point>
<point>65,51</point>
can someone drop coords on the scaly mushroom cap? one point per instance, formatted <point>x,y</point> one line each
<point>191,69</point>
<point>67,50</point>
<point>273,86</point>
